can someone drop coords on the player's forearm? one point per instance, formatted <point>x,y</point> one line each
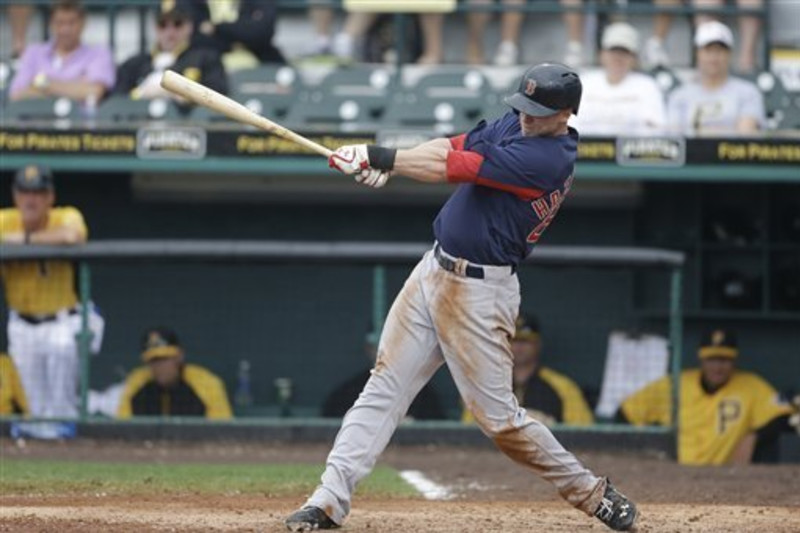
<point>58,236</point>
<point>76,90</point>
<point>743,453</point>
<point>426,162</point>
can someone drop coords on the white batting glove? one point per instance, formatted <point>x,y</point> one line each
<point>373,177</point>
<point>350,159</point>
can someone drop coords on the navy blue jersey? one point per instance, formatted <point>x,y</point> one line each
<point>511,188</point>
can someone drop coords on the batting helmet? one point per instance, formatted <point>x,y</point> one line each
<point>545,89</point>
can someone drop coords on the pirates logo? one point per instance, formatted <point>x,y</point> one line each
<point>718,337</point>
<point>31,173</point>
<point>530,87</point>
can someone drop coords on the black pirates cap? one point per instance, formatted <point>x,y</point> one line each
<point>527,327</point>
<point>160,342</point>
<point>718,343</point>
<point>33,178</point>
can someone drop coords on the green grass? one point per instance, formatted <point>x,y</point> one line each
<point>25,476</point>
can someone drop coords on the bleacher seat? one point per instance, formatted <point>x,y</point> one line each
<point>447,102</point>
<point>123,109</point>
<point>42,109</point>
<point>267,89</point>
<point>778,104</point>
<point>348,98</point>
<point>665,78</point>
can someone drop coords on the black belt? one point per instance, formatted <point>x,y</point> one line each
<point>41,319</point>
<point>448,264</point>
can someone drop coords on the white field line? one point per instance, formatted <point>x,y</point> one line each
<point>429,489</point>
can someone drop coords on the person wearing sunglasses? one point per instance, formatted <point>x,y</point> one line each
<point>140,76</point>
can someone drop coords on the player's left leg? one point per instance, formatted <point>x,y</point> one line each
<point>407,359</point>
<point>61,369</point>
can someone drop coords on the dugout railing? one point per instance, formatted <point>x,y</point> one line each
<point>379,257</point>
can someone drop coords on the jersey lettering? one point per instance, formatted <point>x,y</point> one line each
<point>546,210</point>
<point>729,411</point>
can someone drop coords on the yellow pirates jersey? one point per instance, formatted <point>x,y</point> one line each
<point>711,425</point>
<point>12,395</point>
<point>40,287</point>
<point>198,393</point>
<point>550,397</point>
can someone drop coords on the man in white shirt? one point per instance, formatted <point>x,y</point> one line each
<point>616,100</point>
<point>716,102</point>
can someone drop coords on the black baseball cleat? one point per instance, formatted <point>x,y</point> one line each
<point>309,519</point>
<point>615,510</point>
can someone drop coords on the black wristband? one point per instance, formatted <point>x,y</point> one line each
<point>380,157</point>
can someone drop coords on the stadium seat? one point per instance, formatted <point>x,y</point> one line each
<point>778,104</point>
<point>266,89</point>
<point>349,98</point>
<point>445,115</point>
<point>123,109</point>
<point>447,102</point>
<point>665,78</point>
<point>42,109</point>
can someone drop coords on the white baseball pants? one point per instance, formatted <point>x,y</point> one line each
<point>46,357</point>
<point>441,317</point>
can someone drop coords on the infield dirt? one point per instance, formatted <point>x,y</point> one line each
<point>489,494</point>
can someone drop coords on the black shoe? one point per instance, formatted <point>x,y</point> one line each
<point>309,519</point>
<point>615,510</point>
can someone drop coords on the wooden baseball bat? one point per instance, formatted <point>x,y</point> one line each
<point>202,95</point>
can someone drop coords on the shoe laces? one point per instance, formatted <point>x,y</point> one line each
<point>605,511</point>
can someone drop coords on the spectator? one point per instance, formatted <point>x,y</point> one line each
<point>749,28</point>
<point>168,386</point>
<point>140,76</point>
<point>44,312</point>
<point>64,66</point>
<point>727,416</point>
<point>19,15</point>
<point>617,100</point>
<point>241,32</point>
<point>717,102</point>
<point>548,396</point>
<point>511,21</point>
<point>426,405</point>
<point>12,395</point>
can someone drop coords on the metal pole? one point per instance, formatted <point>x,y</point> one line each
<point>378,299</point>
<point>84,337</point>
<point>676,341</point>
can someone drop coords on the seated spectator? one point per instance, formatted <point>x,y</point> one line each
<point>241,32</point>
<point>617,100</point>
<point>548,396</point>
<point>12,395</point>
<point>726,415</point>
<point>140,76</point>
<point>64,66</point>
<point>426,405</point>
<point>749,29</point>
<point>716,103</point>
<point>168,386</point>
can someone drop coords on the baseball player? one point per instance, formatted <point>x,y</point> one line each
<point>724,413</point>
<point>168,386</point>
<point>460,303</point>
<point>43,305</point>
